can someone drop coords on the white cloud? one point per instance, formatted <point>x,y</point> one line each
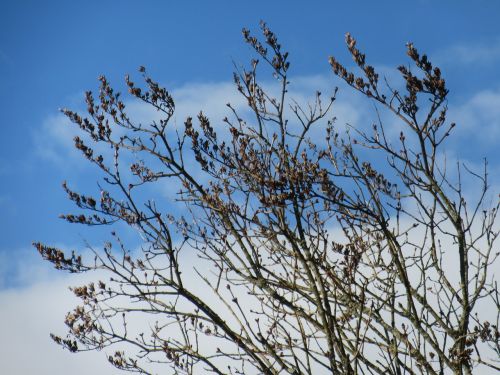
<point>485,52</point>
<point>479,117</point>
<point>28,315</point>
<point>35,309</point>
<point>190,99</point>
<point>211,98</point>
<point>53,140</point>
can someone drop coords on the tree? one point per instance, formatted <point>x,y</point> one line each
<point>352,253</point>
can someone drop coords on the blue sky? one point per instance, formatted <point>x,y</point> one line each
<point>52,51</point>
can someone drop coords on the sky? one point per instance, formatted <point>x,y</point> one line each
<point>51,52</point>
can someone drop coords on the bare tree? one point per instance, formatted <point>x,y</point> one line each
<point>352,253</point>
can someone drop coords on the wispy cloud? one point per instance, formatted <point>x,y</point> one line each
<point>29,314</point>
<point>34,301</point>
<point>470,53</point>
<point>478,118</point>
<point>37,308</point>
<point>53,140</point>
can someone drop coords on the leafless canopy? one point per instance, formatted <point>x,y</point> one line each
<point>352,251</point>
